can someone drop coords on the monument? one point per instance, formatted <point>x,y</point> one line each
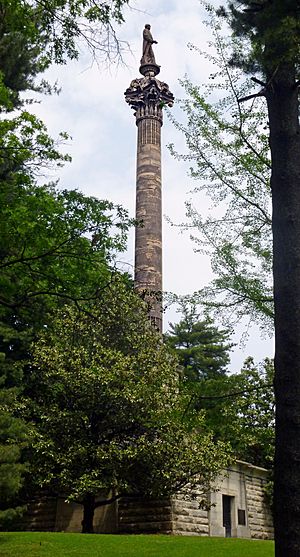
<point>147,96</point>
<point>238,503</point>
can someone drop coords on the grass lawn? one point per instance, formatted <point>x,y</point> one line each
<point>36,544</point>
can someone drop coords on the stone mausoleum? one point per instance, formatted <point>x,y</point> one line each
<point>238,503</point>
<point>238,510</point>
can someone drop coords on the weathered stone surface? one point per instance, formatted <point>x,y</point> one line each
<point>144,516</point>
<point>147,97</point>
<point>39,516</point>
<point>259,515</point>
<point>242,482</point>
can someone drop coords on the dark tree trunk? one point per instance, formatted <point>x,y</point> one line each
<point>88,514</point>
<point>282,97</point>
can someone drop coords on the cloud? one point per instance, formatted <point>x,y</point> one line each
<point>92,108</point>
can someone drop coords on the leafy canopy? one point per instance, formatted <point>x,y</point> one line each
<point>35,33</point>
<point>240,409</point>
<point>228,152</point>
<point>107,408</point>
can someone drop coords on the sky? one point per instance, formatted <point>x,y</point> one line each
<point>92,109</point>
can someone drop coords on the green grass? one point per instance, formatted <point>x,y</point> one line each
<point>36,544</point>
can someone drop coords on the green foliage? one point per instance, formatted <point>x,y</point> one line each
<point>240,409</point>
<point>56,247</point>
<point>202,349</point>
<point>21,50</point>
<point>27,149</point>
<point>228,150</point>
<point>52,240</point>
<point>33,34</point>
<point>269,45</point>
<point>12,440</point>
<point>107,409</point>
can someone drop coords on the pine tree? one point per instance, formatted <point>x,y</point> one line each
<point>202,349</point>
<point>271,30</point>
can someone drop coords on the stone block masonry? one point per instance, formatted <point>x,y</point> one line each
<point>259,516</point>
<point>239,489</point>
<point>188,519</point>
<point>137,515</point>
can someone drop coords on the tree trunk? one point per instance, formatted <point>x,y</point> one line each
<point>283,107</point>
<point>88,514</point>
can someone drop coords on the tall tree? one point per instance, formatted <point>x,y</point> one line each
<point>107,410</point>
<point>202,349</point>
<point>228,153</point>
<point>55,246</point>
<point>271,30</point>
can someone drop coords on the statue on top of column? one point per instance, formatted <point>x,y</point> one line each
<point>148,54</point>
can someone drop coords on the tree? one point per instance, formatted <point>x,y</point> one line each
<point>56,247</point>
<point>202,349</point>
<point>35,33</point>
<point>13,438</point>
<point>240,409</point>
<point>228,150</point>
<point>107,411</point>
<point>271,34</point>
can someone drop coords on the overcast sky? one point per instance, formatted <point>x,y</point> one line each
<point>92,109</point>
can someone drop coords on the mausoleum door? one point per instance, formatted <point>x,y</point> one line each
<point>227,507</point>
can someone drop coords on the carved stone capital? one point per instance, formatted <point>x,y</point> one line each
<point>147,96</point>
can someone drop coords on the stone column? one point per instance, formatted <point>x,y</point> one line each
<point>147,96</point>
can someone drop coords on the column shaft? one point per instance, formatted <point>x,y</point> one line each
<point>148,234</point>
<point>147,96</point>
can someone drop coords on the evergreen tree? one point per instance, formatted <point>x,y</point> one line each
<point>202,349</point>
<point>13,438</point>
<point>271,31</point>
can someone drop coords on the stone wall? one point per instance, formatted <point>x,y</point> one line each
<point>241,487</point>
<point>188,519</point>
<point>137,516</point>
<point>259,515</point>
<point>40,516</point>
<point>53,514</point>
